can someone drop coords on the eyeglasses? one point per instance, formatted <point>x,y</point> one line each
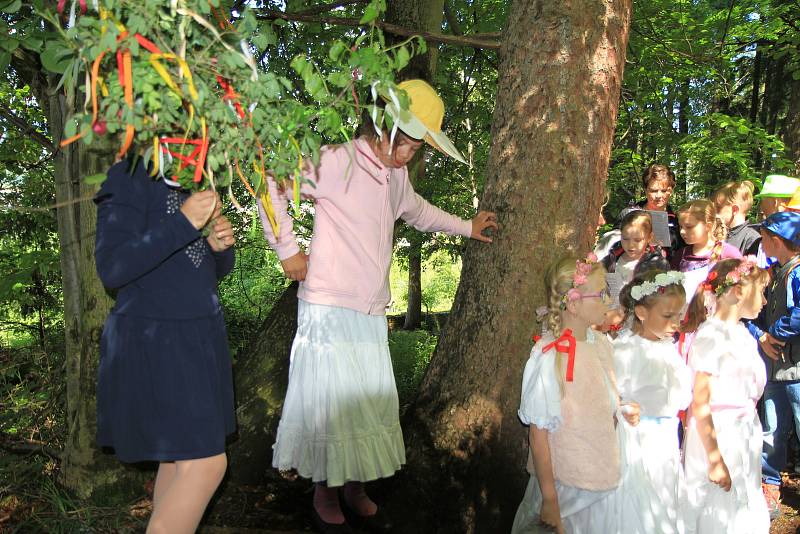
<point>603,295</point>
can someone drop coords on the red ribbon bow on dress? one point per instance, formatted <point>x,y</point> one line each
<point>565,343</point>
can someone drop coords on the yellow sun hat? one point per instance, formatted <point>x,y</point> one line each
<point>423,118</point>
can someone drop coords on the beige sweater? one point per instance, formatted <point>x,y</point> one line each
<point>585,449</point>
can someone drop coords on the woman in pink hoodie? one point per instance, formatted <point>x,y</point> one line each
<point>340,421</point>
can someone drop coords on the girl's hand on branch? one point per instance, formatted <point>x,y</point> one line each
<point>295,267</point>
<point>200,207</point>
<point>482,221</point>
<point>221,237</point>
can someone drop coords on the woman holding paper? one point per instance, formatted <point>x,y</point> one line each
<point>658,182</point>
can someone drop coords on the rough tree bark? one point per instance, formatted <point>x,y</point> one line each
<point>260,378</point>
<point>85,468</point>
<point>552,129</point>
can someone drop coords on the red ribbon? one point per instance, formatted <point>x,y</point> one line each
<point>566,344</point>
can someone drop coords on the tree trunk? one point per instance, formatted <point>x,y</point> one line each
<point>423,15</point>
<point>791,136</point>
<point>414,310</point>
<point>754,98</point>
<point>85,469</point>
<point>553,126</point>
<point>260,377</point>
<point>775,100</point>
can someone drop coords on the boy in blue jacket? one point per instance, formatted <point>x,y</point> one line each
<point>780,343</point>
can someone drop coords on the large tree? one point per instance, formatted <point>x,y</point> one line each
<point>553,126</point>
<point>85,468</point>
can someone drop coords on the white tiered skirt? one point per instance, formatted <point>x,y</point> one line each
<point>340,419</point>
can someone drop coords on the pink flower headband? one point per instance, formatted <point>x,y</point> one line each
<point>583,268</point>
<point>732,278</point>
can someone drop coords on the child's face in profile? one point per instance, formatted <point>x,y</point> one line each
<point>661,319</point>
<point>752,300</point>
<point>770,205</point>
<point>693,230</point>
<point>634,241</point>
<point>726,213</point>
<point>766,243</point>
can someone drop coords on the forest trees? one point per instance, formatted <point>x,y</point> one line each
<point>712,88</point>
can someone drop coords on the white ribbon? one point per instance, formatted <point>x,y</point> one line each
<point>374,114</point>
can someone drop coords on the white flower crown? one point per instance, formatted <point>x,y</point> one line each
<point>662,280</point>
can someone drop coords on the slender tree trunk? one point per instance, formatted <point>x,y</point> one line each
<point>776,95</point>
<point>414,310</point>
<point>413,319</point>
<point>553,126</point>
<point>684,110</point>
<point>754,94</point>
<point>85,468</point>
<point>424,15</point>
<point>791,136</point>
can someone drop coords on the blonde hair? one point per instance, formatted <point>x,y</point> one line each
<point>558,280</point>
<point>697,312</point>
<point>703,210</point>
<point>739,193</point>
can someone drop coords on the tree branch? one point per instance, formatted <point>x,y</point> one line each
<point>29,446</point>
<point>26,129</point>
<point>452,21</point>
<point>387,27</point>
<point>322,8</point>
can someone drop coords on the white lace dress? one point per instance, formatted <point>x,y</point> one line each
<point>653,374</point>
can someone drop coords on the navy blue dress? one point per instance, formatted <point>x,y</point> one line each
<point>165,389</point>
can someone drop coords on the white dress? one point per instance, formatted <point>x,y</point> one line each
<point>340,419</point>
<point>653,374</point>
<point>582,511</point>
<point>729,354</point>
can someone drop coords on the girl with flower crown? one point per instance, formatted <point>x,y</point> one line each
<point>651,372</point>
<point>722,447</point>
<point>570,402</point>
<point>704,233</point>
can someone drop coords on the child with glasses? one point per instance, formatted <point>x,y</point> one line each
<point>568,393</point>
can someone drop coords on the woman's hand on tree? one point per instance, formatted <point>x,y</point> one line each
<point>295,267</point>
<point>482,221</point>
<point>718,474</point>
<point>221,237</point>
<point>200,207</point>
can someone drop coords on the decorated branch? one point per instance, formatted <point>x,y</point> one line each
<point>179,84</point>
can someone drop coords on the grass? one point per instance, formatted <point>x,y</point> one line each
<point>411,352</point>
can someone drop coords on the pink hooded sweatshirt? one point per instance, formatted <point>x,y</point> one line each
<point>356,202</point>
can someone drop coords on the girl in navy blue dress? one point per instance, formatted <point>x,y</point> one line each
<point>165,390</point>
